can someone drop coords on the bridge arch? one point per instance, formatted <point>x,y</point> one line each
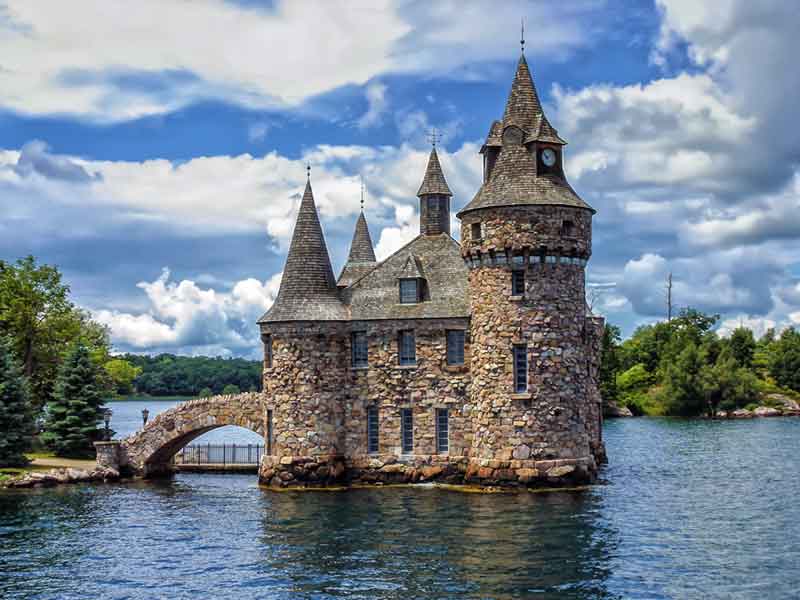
<point>149,451</point>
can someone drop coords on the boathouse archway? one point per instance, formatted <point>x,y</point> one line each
<point>149,451</point>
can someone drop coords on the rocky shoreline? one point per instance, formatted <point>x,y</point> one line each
<point>61,476</point>
<point>787,408</point>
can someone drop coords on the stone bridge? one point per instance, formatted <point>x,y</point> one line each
<point>148,452</point>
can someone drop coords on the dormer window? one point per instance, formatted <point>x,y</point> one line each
<point>409,291</point>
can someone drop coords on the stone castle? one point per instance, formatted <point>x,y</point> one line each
<point>461,362</point>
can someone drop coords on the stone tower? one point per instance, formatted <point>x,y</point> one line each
<point>434,199</point>
<point>303,345</point>
<point>526,238</point>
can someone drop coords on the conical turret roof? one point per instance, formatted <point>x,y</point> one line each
<point>362,256</point>
<point>434,181</point>
<point>514,180</point>
<point>308,289</point>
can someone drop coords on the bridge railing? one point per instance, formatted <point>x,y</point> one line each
<point>219,454</point>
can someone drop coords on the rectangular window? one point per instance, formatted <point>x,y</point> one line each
<point>269,432</point>
<point>409,291</point>
<point>407,348</point>
<point>267,351</point>
<point>455,347</point>
<point>567,228</point>
<point>360,350</point>
<point>476,231</point>
<point>372,429</point>
<point>442,430</point>
<point>520,369</point>
<point>407,430</point>
<point>517,283</point>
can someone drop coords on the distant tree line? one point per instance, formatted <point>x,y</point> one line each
<point>171,375</point>
<point>682,367</point>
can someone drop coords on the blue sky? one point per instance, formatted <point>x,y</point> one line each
<point>156,153</point>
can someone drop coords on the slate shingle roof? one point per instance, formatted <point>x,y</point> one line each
<point>434,182</point>
<point>308,290</point>
<point>513,180</point>
<point>437,258</point>
<point>362,256</point>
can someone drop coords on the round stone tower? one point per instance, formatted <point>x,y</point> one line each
<point>526,238</point>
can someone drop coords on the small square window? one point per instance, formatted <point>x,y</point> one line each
<point>409,291</point>
<point>476,231</point>
<point>567,228</point>
<point>455,347</point>
<point>360,349</point>
<point>407,348</point>
<point>517,283</point>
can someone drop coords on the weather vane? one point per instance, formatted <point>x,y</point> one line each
<point>522,33</point>
<point>362,192</point>
<point>434,137</point>
<point>308,170</point>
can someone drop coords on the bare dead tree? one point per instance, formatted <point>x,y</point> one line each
<point>593,296</point>
<point>668,296</point>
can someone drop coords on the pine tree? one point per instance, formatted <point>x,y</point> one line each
<point>77,407</point>
<point>16,422</point>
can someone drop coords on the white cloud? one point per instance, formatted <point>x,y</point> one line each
<point>377,103</point>
<point>160,55</point>
<point>185,317</point>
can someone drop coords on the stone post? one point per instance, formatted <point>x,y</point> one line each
<point>108,454</point>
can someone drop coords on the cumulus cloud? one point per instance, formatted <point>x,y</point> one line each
<point>184,317</point>
<point>377,103</point>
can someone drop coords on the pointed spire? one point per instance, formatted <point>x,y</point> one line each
<point>308,289</point>
<point>523,107</point>
<point>434,181</point>
<point>362,255</point>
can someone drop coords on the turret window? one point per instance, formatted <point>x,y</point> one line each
<point>455,347</point>
<point>360,350</point>
<point>518,283</point>
<point>567,228</point>
<point>372,429</point>
<point>520,369</point>
<point>551,259</point>
<point>267,339</point>
<point>409,291</point>
<point>407,348</point>
<point>476,231</point>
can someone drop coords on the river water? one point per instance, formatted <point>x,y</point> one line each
<point>689,509</point>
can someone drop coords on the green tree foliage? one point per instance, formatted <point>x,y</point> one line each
<point>16,422</point>
<point>231,389</point>
<point>784,363</point>
<point>609,365</point>
<point>170,375</point>
<point>77,406</point>
<point>726,385</point>
<point>36,313</point>
<point>683,391</point>
<point>122,374</point>
<point>633,386</point>
<point>206,393</point>
<point>743,347</point>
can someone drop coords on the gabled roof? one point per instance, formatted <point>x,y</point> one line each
<point>308,290</point>
<point>412,269</point>
<point>434,181</point>
<point>438,259</point>
<point>362,255</point>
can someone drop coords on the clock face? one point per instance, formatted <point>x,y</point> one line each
<point>549,157</point>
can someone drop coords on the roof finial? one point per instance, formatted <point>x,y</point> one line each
<point>434,137</point>
<point>308,170</point>
<point>362,193</point>
<point>522,34</point>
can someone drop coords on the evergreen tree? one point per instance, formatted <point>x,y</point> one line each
<point>785,360</point>
<point>683,387</point>
<point>76,408</point>
<point>16,422</point>
<point>609,364</point>
<point>743,346</point>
